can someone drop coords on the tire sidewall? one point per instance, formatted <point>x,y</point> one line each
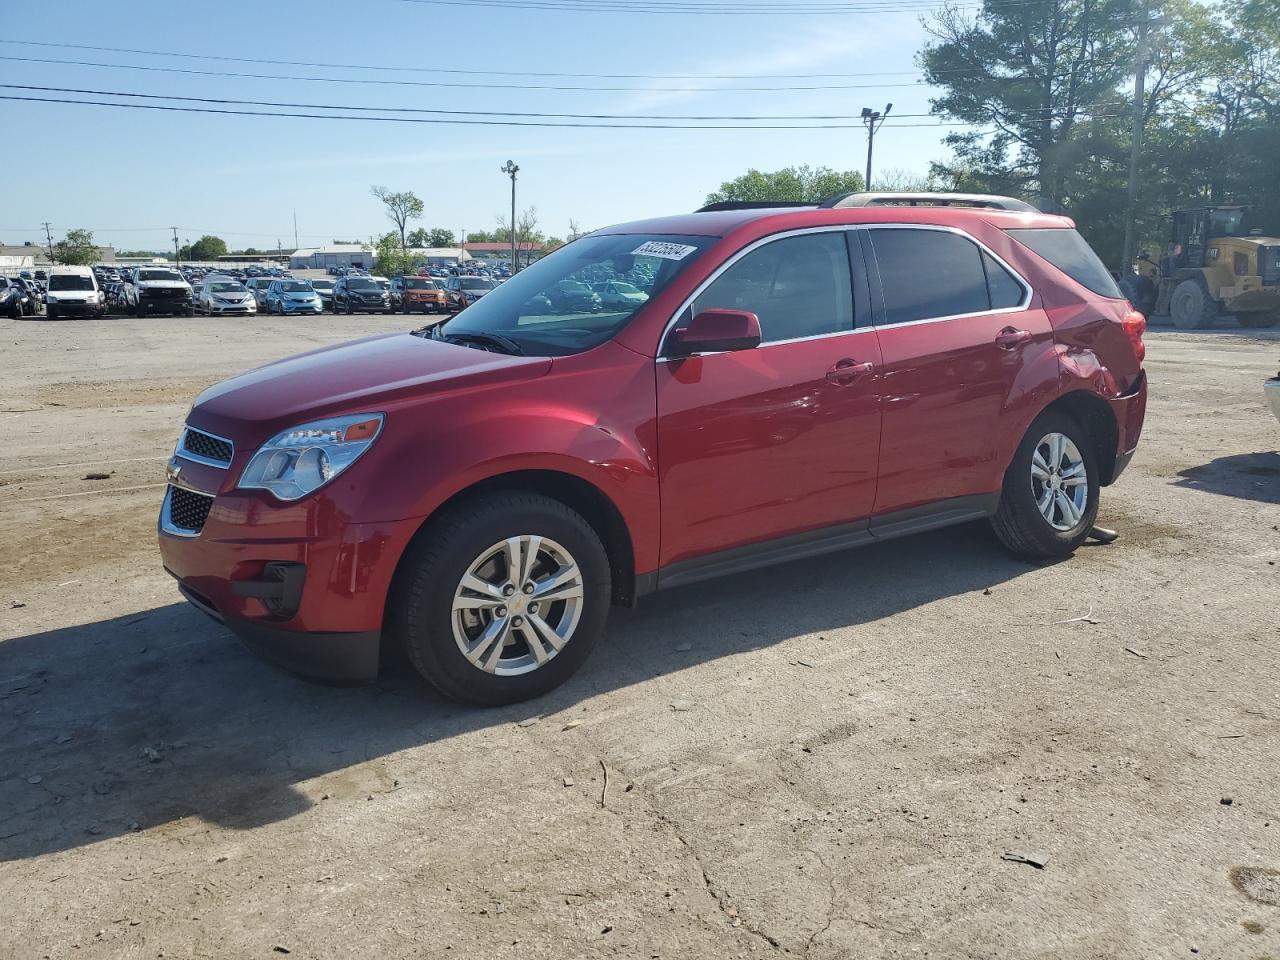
<point>428,611</point>
<point>1017,487</point>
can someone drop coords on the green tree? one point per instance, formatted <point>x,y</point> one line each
<point>435,237</point>
<point>803,184</point>
<point>400,207</point>
<point>390,258</point>
<point>76,249</point>
<point>208,248</point>
<point>1025,75</point>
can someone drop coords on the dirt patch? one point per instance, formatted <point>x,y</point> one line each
<point>1259,884</point>
<point>86,394</point>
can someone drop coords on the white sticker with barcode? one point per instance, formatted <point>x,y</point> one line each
<point>667,251</point>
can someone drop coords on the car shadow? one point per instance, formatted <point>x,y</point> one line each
<point>140,721</point>
<point>1249,476</point>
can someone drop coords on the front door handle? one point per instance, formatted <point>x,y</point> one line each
<point>1011,337</point>
<point>846,370</point>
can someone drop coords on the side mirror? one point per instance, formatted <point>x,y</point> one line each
<point>716,330</point>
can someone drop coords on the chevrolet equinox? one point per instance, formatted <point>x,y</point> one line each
<point>797,380</point>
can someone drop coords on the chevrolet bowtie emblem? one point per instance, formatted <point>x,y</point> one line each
<point>172,470</point>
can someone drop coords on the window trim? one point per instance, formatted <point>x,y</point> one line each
<point>662,355</point>
<point>879,312</point>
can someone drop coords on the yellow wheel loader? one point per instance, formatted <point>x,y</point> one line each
<point>1213,265</point>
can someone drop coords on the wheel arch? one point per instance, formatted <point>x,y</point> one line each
<point>1096,416</point>
<point>575,492</point>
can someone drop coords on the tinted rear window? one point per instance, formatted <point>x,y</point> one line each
<point>926,274</point>
<point>1069,252</point>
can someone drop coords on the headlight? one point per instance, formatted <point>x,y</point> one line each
<point>303,459</point>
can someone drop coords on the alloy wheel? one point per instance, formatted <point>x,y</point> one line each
<point>1059,481</point>
<point>517,605</point>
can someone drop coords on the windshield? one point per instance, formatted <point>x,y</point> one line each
<point>625,288</point>
<point>476,283</point>
<point>533,310</point>
<point>1225,223</point>
<point>322,284</point>
<point>294,286</point>
<point>227,286</point>
<point>362,285</point>
<point>415,283</point>
<point>159,275</point>
<point>70,281</point>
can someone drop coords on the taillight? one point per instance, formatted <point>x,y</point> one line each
<point>1135,325</point>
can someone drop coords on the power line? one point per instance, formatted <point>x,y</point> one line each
<point>693,9</point>
<point>450,83</point>
<point>486,123</point>
<point>496,73</point>
<point>1039,113</point>
<point>451,70</point>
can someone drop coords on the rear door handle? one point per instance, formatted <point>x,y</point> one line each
<point>846,370</point>
<point>1011,337</point>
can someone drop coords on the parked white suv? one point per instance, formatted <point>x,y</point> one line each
<point>74,292</point>
<point>157,290</point>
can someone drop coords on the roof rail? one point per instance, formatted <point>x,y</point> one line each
<point>984,200</point>
<point>752,205</point>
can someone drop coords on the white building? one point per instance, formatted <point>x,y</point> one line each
<point>334,255</point>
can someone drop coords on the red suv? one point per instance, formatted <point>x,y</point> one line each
<point>797,380</point>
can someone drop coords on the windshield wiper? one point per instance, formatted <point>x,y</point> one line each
<point>504,344</point>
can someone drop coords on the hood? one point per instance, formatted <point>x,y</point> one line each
<point>362,375</point>
<point>165,284</point>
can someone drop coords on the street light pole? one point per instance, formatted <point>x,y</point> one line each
<point>511,170</point>
<point>874,119</point>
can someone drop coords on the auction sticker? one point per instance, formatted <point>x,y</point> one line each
<point>667,251</point>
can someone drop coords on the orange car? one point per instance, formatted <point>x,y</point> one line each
<point>417,293</point>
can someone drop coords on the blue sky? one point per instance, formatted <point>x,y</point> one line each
<point>129,174</point>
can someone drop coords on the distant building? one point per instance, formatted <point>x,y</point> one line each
<point>528,252</point>
<point>334,255</point>
<point>24,256</point>
<point>435,256</point>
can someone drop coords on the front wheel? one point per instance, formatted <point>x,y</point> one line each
<point>503,598</point>
<point>1190,307</point>
<point>1050,495</point>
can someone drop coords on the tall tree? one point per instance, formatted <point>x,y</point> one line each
<point>1025,75</point>
<point>77,249</point>
<point>802,184</point>
<point>400,207</point>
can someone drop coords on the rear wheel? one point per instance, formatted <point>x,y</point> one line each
<point>1050,495</point>
<point>1190,306</point>
<point>504,599</point>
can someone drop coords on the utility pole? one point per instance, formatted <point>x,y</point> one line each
<point>49,240</point>
<point>1135,153</point>
<point>511,170</point>
<point>295,228</point>
<point>177,258</point>
<point>874,120</point>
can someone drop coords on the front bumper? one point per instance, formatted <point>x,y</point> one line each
<point>425,306</point>
<point>1272,390</point>
<point>292,306</point>
<point>77,309</point>
<point>165,304</point>
<point>324,618</point>
<point>239,309</point>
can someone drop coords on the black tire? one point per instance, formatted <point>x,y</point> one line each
<point>1140,291</point>
<point>420,612</point>
<point>1190,307</point>
<point>50,314</point>
<point>1018,522</point>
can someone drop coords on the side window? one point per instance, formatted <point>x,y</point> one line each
<point>1005,290</point>
<point>798,287</point>
<point>929,273</point>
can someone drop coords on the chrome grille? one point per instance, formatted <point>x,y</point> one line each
<point>187,510</point>
<point>205,448</point>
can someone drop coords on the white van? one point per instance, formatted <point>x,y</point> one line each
<point>74,292</point>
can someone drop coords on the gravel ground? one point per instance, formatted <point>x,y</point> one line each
<point>825,759</point>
